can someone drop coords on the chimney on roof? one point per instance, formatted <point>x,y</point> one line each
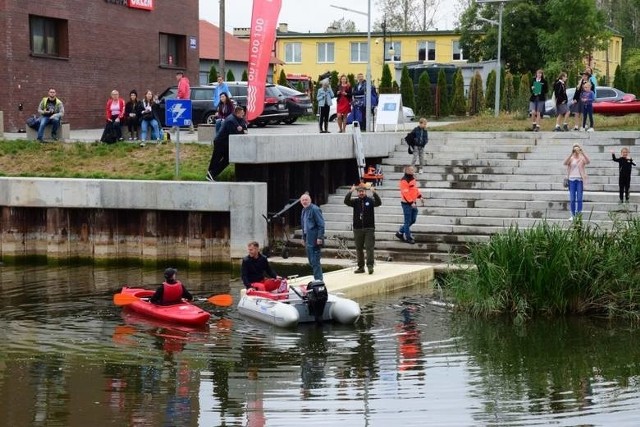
<point>332,29</point>
<point>283,27</point>
<point>241,32</point>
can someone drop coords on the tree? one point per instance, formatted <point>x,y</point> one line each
<point>386,80</point>
<point>282,79</point>
<point>343,25</point>
<point>619,80</point>
<point>442,96</point>
<point>230,76</point>
<point>490,94</point>
<point>524,94</point>
<point>335,79</point>
<point>458,103</point>
<point>534,33</point>
<point>213,74</point>
<point>509,93</point>
<point>245,76</point>
<point>476,96</point>
<point>424,99</point>
<point>560,43</point>
<point>406,89</point>
<point>406,15</point>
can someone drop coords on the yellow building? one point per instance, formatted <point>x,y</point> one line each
<point>604,62</point>
<point>313,54</point>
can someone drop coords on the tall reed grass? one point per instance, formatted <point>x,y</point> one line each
<point>552,270</point>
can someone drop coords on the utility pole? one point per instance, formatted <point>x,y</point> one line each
<point>221,42</point>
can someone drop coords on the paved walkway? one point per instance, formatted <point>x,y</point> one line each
<point>93,135</point>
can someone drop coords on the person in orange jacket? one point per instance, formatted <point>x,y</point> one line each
<point>409,194</point>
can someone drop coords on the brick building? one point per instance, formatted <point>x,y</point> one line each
<point>84,49</point>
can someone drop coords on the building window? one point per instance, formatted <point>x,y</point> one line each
<point>397,51</point>
<point>293,53</point>
<point>49,36</point>
<point>359,52</point>
<point>458,53</point>
<point>173,50</point>
<point>427,50</point>
<point>326,52</point>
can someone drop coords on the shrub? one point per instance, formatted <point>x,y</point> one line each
<point>458,103</point>
<point>406,89</point>
<point>424,99</point>
<point>550,270</point>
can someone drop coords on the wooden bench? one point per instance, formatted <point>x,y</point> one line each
<point>64,132</point>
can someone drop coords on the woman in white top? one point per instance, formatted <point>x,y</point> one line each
<point>575,163</point>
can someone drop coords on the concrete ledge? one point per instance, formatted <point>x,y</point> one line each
<point>64,133</point>
<point>206,133</point>
<point>246,202</point>
<point>261,149</point>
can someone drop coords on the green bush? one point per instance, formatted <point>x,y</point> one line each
<point>551,270</point>
<point>442,96</point>
<point>458,103</point>
<point>406,89</point>
<point>424,99</point>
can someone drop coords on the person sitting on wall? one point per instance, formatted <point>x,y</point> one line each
<point>51,111</point>
<point>172,291</point>
<point>254,268</point>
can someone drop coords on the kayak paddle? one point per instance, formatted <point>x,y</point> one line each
<point>223,300</point>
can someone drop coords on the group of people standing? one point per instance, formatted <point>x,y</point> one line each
<point>349,100</point>
<point>581,105</point>
<point>140,116</point>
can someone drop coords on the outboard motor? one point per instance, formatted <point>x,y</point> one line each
<point>317,297</point>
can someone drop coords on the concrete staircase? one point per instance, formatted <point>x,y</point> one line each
<point>478,184</point>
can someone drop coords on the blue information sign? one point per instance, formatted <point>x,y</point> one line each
<point>178,112</point>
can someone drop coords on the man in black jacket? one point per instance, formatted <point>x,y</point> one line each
<point>232,125</point>
<point>364,224</point>
<point>254,267</point>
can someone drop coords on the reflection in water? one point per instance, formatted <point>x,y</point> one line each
<point>554,369</point>
<point>70,355</point>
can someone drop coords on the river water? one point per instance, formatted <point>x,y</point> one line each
<point>69,357</point>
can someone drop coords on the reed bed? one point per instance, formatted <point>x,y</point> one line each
<point>551,270</point>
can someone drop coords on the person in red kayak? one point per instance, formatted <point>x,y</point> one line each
<point>172,291</point>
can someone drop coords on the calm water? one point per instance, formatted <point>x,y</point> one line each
<point>71,358</point>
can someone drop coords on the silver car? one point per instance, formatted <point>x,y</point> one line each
<point>603,93</point>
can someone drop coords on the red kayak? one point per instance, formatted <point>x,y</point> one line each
<point>184,312</point>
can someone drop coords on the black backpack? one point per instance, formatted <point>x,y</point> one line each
<point>410,139</point>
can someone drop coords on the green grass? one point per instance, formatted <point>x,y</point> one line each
<point>99,161</point>
<point>548,270</point>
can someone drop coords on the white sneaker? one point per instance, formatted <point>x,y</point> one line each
<point>582,129</point>
<point>209,177</point>
<point>570,218</point>
<point>420,170</point>
<point>590,130</point>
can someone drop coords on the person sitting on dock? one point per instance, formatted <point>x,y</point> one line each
<point>172,291</point>
<point>254,268</point>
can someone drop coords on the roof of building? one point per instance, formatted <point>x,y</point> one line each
<point>235,49</point>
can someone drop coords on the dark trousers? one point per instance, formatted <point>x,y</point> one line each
<point>365,239</point>
<point>117,126</point>
<point>624,182</point>
<point>587,111</point>
<point>219,159</point>
<point>324,118</point>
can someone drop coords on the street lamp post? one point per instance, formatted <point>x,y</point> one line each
<point>368,74</point>
<point>498,65</point>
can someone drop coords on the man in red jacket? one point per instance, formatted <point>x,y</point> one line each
<point>184,91</point>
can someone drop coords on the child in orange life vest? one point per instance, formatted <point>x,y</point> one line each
<point>172,291</point>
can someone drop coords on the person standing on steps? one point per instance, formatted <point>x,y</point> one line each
<point>409,195</point>
<point>364,224</point>
<point>575,163</point>
<point>562,103</point>
<point>624,165</point>
<point>312,222</point>
<point>324,98</point>
<point>539,89</point>
<point>420,140</point>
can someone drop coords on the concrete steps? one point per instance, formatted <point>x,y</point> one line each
<point>479,184</point>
